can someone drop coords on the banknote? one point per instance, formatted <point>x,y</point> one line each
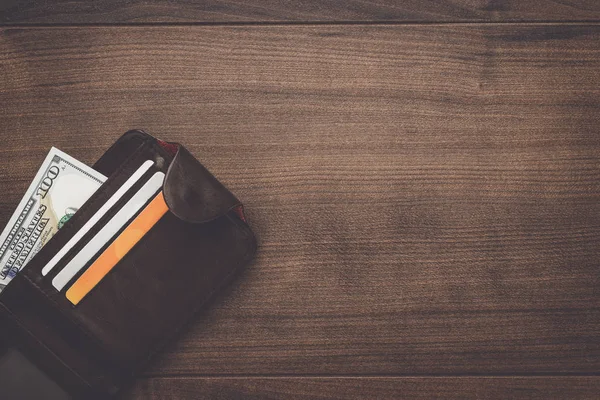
<point>61,186</point>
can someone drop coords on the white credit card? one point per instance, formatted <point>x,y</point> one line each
<point>112,227</point>
<point>133,179</point>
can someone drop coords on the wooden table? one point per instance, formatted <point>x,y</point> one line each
<point>423,179</point>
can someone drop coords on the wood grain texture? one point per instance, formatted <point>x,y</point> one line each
<point>426,198</point>
<point>220,11</point>
<point>455,388</point>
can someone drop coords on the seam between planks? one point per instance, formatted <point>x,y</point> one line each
<point>369,376</point>
<point>303,23</point>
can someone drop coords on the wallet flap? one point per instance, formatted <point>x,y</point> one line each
<point>192,193</point>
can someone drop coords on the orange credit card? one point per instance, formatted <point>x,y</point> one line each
<point>118,249</point>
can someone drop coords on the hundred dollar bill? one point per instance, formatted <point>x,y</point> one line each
<point>60,187</point>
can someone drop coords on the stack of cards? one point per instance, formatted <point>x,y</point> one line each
<point>114,238</point>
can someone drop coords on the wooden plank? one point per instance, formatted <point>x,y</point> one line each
<point>426,198</point>
<point>219,11</point>
<point>459,388</point>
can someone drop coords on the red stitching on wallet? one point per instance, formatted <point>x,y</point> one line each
<point>239,211</point>
<point>171,148</point>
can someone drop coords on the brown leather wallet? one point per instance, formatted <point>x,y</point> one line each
<point>93,349</point>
